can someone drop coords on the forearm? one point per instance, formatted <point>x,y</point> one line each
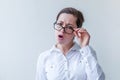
<point>93,69</point>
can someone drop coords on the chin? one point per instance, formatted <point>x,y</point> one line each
<point>59,42</point>
<point>62,42</point>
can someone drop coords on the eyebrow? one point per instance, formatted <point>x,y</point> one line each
<point>66,24</point>
<point>69,24</point>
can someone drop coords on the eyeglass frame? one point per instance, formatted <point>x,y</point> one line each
<point>64,28</point>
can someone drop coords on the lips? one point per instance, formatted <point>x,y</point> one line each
<point>60,36</point>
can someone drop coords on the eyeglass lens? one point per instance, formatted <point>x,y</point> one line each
<point>67,29</point>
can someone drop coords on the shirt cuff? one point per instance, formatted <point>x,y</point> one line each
<point>85,51</point>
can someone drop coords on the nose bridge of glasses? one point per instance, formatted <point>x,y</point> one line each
<point>63,29</point>
<point>66,29</point>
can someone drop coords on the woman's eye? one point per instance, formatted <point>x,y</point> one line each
<point>59,24</point>
<point>70,27</point>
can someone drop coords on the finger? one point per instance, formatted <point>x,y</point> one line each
<point>78,34</point>
<point>76,29</point>
<point>82,30</point>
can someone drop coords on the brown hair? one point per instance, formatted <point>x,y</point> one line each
<point>75,12</point>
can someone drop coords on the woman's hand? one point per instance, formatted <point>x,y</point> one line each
<point>83,36</point>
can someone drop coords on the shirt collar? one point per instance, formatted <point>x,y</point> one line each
<point>75,47</point>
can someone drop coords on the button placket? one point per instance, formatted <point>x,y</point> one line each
<point>66,65</point>
<point>66,68</point>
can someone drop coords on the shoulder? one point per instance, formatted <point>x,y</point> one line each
<point>44,55</point>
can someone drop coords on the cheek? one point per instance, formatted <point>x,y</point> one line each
<point>56,32</point>
<point>70,37</point>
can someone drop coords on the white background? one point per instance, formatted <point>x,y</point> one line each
<point>26,29</point>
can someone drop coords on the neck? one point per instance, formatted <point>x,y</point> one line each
<point>64,47</point>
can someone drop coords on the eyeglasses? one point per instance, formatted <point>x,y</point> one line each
<point>68,29</point>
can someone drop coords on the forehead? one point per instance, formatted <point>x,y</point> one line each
<point>67,18</point>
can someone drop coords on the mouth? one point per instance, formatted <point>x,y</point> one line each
<point>60,36</point>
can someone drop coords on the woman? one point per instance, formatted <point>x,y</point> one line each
<point>67,60</point>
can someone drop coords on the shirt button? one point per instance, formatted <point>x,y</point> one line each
<point>51,67</point>
<point>82,52</point>
<point>80,61</point>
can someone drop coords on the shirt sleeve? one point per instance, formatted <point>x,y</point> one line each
<point>93,69</point>
<point>40,71</point>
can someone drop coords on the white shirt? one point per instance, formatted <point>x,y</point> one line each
<point>78,64</point>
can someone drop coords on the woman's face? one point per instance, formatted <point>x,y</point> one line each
<point>65,20</point>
